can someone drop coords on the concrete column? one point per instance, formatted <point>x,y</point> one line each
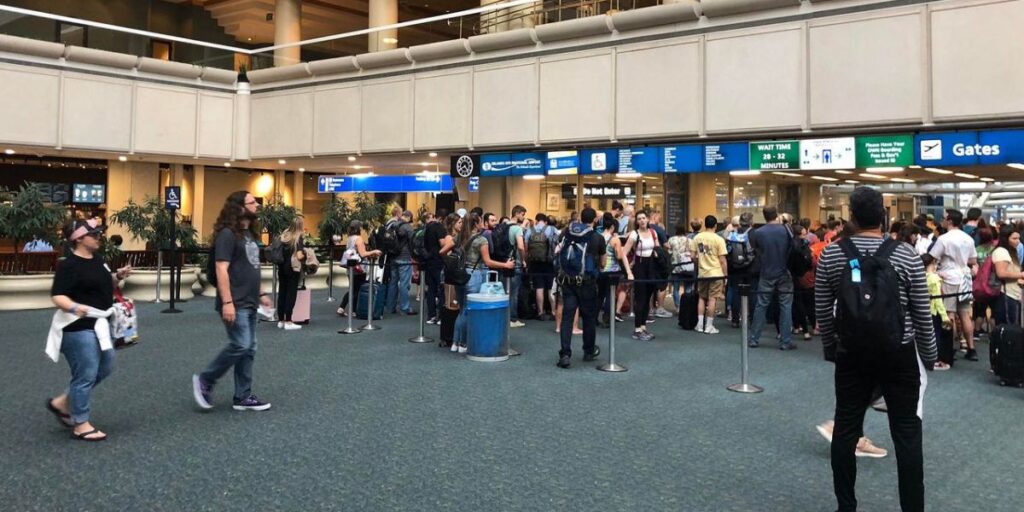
<point>279,185</point>
<point>287,29</point>
<point>199,220</point>
<point>383,12</point>
<point>298,180</point>
<point>130,180</point>
<point>243,101</point>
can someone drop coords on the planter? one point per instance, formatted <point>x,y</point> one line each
<point>204,287</point>
<point>267,278</point>
<point>318,281</point>
<point>25,292</point>
<point>340,276</point>
<point>141,285</point>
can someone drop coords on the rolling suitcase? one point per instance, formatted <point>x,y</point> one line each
<point>688,310</point>
<point>300,313</point>
<point>1006,350</point>
<point>364,301</point>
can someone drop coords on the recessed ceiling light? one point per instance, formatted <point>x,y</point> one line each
<point>884,169</point>
<point>851,181</point>
<point>824,178</point>
<point>282,161</point>
<point>227,164</point>
<point>357,167</point>
<point>1016,166</point>
<point>351,159</point>
<point>433,154</point>
<point>903,180</point>
<point>966,175</point>
<point>844,172</point>
<point>988,180</point>
<point>390,40</point>
<point>302,169</point>
<point>744,173</point>
<point>936,170</point>
<point>8,151</point>
<point>533,177</point>
<point>790,174</point>
<point>874,176</point>
<point>425,164</point>
<point>914,166</point>
<point>122,158</point>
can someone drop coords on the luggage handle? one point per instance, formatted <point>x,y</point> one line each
<point>497,278</point>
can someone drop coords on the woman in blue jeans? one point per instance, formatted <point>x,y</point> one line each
<point>83,284</point>
<point>478,261</point>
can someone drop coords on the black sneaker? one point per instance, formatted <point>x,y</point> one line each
<point>787,346</point>
<point>251,404</point>
<point>593,355</point>
<point>201,393</point>
<point>563,362</point>
<point>971,355</point>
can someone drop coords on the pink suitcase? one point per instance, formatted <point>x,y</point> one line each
<point>300,313</point>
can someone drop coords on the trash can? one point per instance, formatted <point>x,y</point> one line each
<point>487,325</point>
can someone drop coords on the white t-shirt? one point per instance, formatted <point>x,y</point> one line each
<point>953,251</point>
<point>1010,286</point>
<point>923,243</point>
<point>644,246</point>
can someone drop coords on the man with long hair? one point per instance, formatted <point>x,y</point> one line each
<point>237,257</point>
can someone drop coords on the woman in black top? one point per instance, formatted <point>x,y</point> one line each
<point>83,281</point>
<point>288,278</point>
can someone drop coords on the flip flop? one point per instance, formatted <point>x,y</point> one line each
<point>64,419</point>
<point>84,436</point>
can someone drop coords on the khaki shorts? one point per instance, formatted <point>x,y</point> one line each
<point>711,289</point>
<point>964,301</point>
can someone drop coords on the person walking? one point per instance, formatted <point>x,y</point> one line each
<point>772,244</point>
<point>580,252</point>
<point>83,291</point>
<point>288,278</point>
<point>400,266</point>
<point>711,263</point>
<point>237,257</point>
<point>888,342</point>
<point>958,262</point>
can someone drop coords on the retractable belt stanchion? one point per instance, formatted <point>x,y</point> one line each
<point>372,291</point>
<point>421,338</point>
<point>612,366</point>
<point>330,273</point>
<point>159,274</point>
<point>508,317</point>
<point>744,386</point>
<point>351,303</point>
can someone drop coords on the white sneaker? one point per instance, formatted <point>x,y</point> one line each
<point>699,327</point>
<point>455,347</point>
<point>288,326</point>
<point>825,429</point>
<point>662,313</point>
<point>463,349</point>
<point>710,330</point>
<point>516,323</point>
<point>280,325</point>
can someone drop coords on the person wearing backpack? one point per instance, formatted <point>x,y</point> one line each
<point>772,243</point>
<point>514,250</point>
<point>872,305</point>
<point>476,260</point>
<point>580,253</point>
<point>540,248</point>
<point>742,266</point>
<point>400,263</point>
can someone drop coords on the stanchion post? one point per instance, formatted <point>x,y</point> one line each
<point>744,386</point>
<point>174,261</point>
<point>159,274</point>
<point>421,338</point>
<point>508,317</point>
<point>372,291</point>
<point>351,303</point>
<point>612,366</point>
<point>330,272</point>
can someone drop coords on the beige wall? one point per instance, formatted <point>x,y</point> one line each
<point>702,195</point>
<point>130,180</point>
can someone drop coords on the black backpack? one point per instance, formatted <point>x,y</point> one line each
<point>501,248</point>
<point>455,265</point>
<point>418,246</point>
<point>740,252</point>
<point>275,252</point>
<point>662,262</point>
<point>799,260</point>
<point>869,315</point>
<point>388,238</point>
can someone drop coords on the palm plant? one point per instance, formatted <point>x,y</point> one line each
<point>28,214</point>
<point>151,223</point>
<point>276,216</point>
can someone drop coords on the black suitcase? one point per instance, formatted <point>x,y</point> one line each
<point>1006,348</point>
<point>688,310</point>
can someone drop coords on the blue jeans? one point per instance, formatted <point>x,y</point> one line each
<point>476,280</point>
<point>239,354</point>
<point>513,293</point>
<point>680,283</point>
<point>783,285</point>
<point>89,366</point>
<point>398,286</point>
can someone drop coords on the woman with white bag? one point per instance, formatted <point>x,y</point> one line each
<point>83,290</point>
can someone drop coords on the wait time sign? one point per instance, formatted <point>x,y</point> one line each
<point>774,155</point>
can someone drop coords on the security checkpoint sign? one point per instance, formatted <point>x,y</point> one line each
<point>885,151</point>
<point>774,155</point>
<point>826,154</point>
<point>172,198</point>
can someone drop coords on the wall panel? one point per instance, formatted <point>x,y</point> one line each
<point>165,120</point>
<point>754,81</point>
<point>282,123</point>
<point>336,120</point>
<point>505,104</point>
<point>576,97</point>
<point>657,90</point>
<point>216,124</point>
<point>97,113</point>
<point>387,115</point>
<point>442,106</point>
<point>29,102</point>
<point>977,51</point>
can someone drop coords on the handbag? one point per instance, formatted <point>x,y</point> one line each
<point>125,325</point>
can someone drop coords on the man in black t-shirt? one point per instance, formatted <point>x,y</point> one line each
<point>580,291</point>
<point>433,234</point>
<point>237,258</point>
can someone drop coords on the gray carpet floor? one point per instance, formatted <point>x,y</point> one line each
<point>372,422</point>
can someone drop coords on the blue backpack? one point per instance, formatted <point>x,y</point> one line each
<point>573,259</point>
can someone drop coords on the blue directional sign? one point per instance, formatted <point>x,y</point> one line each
<point>731,156</point>
<point>1000,147</point>
<point>599,161</point>
<point>511,164</point>
<point>474,184</point>
<point>528,164</point>
<point>946,148</point>
<point>563,163</point>
<point>676,159</point>
<point>641,159</point>
<point>331,184</point>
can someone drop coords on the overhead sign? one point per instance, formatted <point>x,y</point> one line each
<point>331,184</point>
<point>599,161</point>
<point>775,155</point>
<point>465,166</point>
<point>474,184</point>
<point>732,156</point>
<point>172,198</point>
<point>641,159</point>
<point>511,164</point>
<point>563,163</point>
<point>1004,147</point>
<point>824,154</point>
<point>950,148</point>
<point>885,151</point>
<point>676,159</point>
<point>609,190</point>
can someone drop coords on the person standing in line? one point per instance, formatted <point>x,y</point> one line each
<point>515,236</point>
<point>490,222</point>
<point>861,363</point>
<point>83,291</point>
<point>741,258</point>
<point>958,262</point>
<point>624,220</point>
<point>711,263</point>
<point>580,252</point>
<point>237,257</point>
<point>433,234</point>
<point>540,244</point>
<point>642,242</point>
<point>478,261</point>
<point>611,270</point>
<point>1007,266</point>
<point>288,278</point>
<point>683,268</point>
<point>356,253</point>
<point>658,301</point>
<point>401,266</point>
<point>803,303</point>
<point>772,244</point>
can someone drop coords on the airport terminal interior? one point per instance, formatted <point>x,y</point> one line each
<point>132,123</point>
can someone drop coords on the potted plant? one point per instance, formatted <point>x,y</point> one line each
<point>25,215</point>
<point>151,223</point>
<point>275,217</point>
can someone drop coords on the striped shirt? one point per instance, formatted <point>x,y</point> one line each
<point>913,287</point>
